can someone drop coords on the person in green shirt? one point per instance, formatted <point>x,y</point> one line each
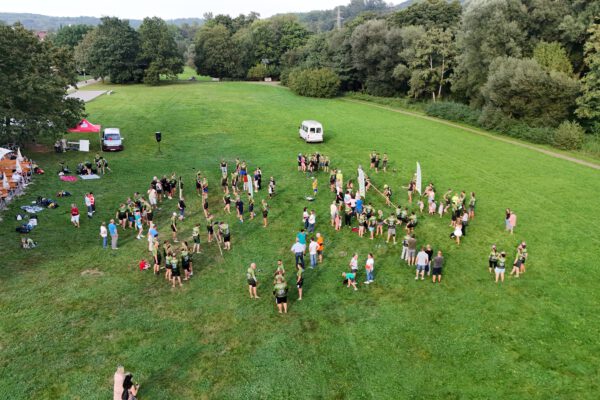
<point>186,262</point>
<point>156,257</point>
<point>493,259</point>
<point>372,222</point>
<point>279,270</point>
<point>252,281</point>
<point>168,266</point>
<point>299,279</point>
<point>175,271</point>
<point>280,291</point>
<point>225,234</point>
<point>391,222</point>
<point>362,219</point>
<point>500,267</point>
<point>196,237</point>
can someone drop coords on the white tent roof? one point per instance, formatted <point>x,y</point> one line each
<point>4,152</point>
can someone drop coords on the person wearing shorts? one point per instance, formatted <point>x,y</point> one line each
<point>391,222</point>
<point>438,264</point>
<point>422,263</point>
<point>299,280</point>
<point>226,234</point>
<point>493,259</point>
<point>500,267</point>
<point>175,271</point>
<point>280,291</point>
<point>321,243</point>
<point>74,215</point>
<point>252,281</point>
<point>174,227</point>
<point>412,250</point>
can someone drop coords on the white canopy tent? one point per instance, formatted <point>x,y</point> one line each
<point>4,152</point>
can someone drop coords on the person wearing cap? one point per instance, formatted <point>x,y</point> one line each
<point>280,291</point>
<point>493,259</point>
<point>499,268</point>
<point>252,281</point>
<point>174,226</point>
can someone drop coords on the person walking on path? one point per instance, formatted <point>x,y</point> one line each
<point>114,235</point>
<point>298,250</point>
<point>252,281</point>
<point>438,264</point>
<point>370,268</point>
<point>104,235</point>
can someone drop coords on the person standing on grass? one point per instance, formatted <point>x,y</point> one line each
<point>370,269</point>
<point>493,259</point>
<point>174,227</point>
<point>312,221</point>
<point>523,257</point>
<point>227,203</point>
<point>156,257</point>
<point>472,202</point>
<point>251,206</point>
<point>181,207</point>
<point>239,206</point>
<point>298,250</point>
<point>74,215</point>
<point>362,221</point>
<point>279,270</point>
<point>438,264</point>
<point>138,224</point>
<point>517,263</point>
<point>312,250</point>
<point>122,215</point>
<point>104,235</point>
<point>412,250</point>
<point>333,213</point>
<point>226,235</point>
<point>500,267</point>
<point>175,271</point>
<point>391,223</point>
<point>464,222</point>
<point>252,281</point>
<point>88,205</point>
<point>511,221</point>
<point>265,213</point>
<point>299,280</point>
<point>404,254</point>
<point>305,217</point>
<point>186,261</point>
<point>196,238</point>
<point>422,262</point>
<point>321,247</point>
<point>429,252</point>
<point>354,263</point>
<point>114,235</point>
<point>280,291</point>
<point>315,186</point>
<point>301,236</point>
<point>209,227</point>
<point>456,235</point>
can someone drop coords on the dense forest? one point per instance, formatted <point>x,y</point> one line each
<point>525,68</point>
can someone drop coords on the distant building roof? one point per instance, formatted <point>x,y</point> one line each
<point>41,35</point>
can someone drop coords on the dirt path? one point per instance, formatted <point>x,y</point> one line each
<point>81,84</point>
<point>482,133</point>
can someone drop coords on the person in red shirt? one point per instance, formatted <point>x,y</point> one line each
<point>74,215</point>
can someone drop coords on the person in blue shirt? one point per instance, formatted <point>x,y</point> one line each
<point>114,235</point>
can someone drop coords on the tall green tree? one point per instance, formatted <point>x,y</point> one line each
<point>217,54</point>
<point>70,36</point>
<point>34,79</point>
<point>588,104</point>
<point>428,13</point>
<point>428,58</point>
<point>115,52</point>
<point>159,53</point>
<point>552,57</point>
<point>523,90</point>
<point>82,51</point>
<point>489,29</point>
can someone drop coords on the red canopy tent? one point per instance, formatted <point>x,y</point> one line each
<point>84,126</point>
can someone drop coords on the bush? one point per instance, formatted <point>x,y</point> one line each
<point>259,72</point>
<point>454,112</point>
<point>322,82</point>
<point>569,136</point>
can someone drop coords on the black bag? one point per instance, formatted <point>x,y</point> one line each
<point>23,229</point>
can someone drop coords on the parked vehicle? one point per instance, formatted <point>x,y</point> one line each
<point>112,140</point>
<point>311,131</point>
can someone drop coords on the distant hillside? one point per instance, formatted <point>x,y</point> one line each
<point>39,22</point>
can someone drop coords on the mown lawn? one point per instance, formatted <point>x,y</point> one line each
<point>62,333</point>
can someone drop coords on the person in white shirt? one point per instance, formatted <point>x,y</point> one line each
<point>333,212</point>
<point>312,220</point>
<point>298,250</point>
<point>104,235</point>
<point>370,268</point>
<point>422,262</point>
<point>312,250</point>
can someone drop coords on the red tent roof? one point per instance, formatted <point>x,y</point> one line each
<point>84,126</point>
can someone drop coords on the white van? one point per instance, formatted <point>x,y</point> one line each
<point>112,140</point>
<point>311,131</point>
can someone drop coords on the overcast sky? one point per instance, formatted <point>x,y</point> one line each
<point>167,9</point>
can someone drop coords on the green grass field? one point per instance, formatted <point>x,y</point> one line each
<point>62,333</point>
